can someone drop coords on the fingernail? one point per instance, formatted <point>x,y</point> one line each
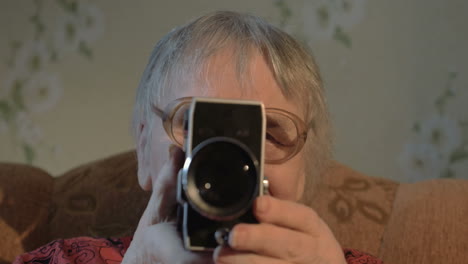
<point>261,204</point>
<point>232,237</point>
<point>237,235</point>
<point>222,255</point>
<point>216,253</point>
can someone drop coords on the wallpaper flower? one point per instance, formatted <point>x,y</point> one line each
<point>29,88</point>
<point>440,142</point>
<point>321,20</point>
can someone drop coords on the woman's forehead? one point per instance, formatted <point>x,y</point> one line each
<point>220,78</point>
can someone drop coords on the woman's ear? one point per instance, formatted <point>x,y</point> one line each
<point>144,175</point>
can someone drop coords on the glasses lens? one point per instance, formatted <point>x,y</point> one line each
<point>281,136</point>
<point>281,133</point>
<point>178,123</point>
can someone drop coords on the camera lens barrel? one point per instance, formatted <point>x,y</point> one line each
<point>220,178</point>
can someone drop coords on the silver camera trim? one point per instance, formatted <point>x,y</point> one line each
<point>188,146</point>
<point>196,201</point>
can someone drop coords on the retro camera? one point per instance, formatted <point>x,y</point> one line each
<point>223,170</point>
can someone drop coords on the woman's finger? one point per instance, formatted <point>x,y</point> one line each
<point>287,214</point>
<point>162,204</point>
<point>273,241</point>
<point>225,255</point>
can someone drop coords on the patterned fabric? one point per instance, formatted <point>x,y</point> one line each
<point>83,250</point>
<point>353,256</point>
<point>78,250</point>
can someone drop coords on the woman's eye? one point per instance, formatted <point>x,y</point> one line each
<point>278,139</point>
<point>269,137</point>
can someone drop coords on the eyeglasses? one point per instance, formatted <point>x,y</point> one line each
<point>285,135</point>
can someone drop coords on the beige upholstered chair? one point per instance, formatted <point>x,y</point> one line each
<point>425,222</point>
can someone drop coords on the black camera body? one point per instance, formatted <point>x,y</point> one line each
<point>223,170</point>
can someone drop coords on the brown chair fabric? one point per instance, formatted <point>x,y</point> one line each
<point>25,194</point>
<point>101,199</point>
<point>355,206</point>
<point>428,224</point>
<point>401,223</point>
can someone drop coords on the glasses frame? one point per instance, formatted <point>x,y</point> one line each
<point>171,109</point>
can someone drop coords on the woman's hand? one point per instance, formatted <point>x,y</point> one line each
<point>288,233</point>
<point>156,239</point>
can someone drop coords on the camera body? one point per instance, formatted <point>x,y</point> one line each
<point>223,170</point>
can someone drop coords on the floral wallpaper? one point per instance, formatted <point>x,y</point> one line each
<point>395,115</point>
<point>30,88</point>
<point>440,141</point>
<point>321,19</point>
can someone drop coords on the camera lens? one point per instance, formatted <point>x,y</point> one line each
<point>225,176</point>
<point>222,177</point>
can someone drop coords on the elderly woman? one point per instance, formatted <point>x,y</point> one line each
<point>231,56</point>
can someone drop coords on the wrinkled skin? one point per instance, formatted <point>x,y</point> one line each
<point>288,232</point>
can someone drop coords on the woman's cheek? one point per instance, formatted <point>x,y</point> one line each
<point>281,183</point>
<point>287,180</point>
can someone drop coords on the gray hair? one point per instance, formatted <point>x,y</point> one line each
<point>179,58</point>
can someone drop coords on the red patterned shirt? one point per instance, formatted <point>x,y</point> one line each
<point>90,250</point>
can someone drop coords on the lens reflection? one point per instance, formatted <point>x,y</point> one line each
<point>222,174</point>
